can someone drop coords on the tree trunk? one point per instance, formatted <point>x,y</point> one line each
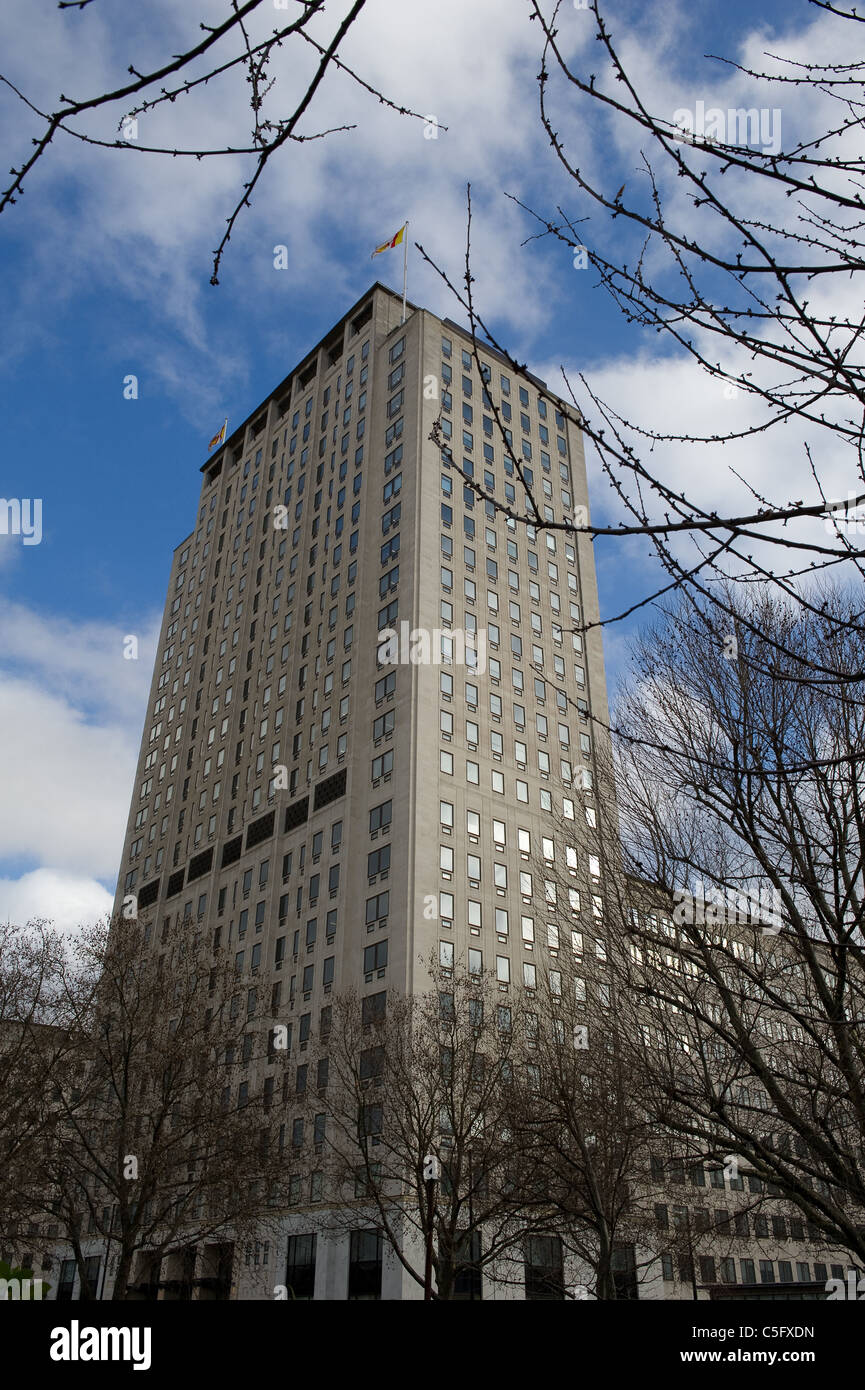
<point>87,1294</point>
<point>124,1269</point>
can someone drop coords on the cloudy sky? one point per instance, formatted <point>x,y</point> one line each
<point>107,259</point>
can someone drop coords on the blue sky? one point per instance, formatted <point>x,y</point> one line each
<point>107,264</point>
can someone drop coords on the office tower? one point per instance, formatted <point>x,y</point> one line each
<point>301,791</point>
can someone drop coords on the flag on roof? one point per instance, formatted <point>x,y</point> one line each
<point>396,240</point>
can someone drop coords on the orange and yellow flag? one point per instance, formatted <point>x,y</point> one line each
<point>218,438</point>
<point>395,240</point>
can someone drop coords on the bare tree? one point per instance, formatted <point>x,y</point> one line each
<point>163,1133</point>
<point>578,1115</point>
<point>31,961</point>
<point>741,804</point>
<point>433,1078</point>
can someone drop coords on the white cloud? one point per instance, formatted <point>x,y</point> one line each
<point>66,899</point>
<point>86,659</point>
<point>71,711</point>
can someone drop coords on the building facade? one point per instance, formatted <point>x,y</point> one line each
<point>367,699</point>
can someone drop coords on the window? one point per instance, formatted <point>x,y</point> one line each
<point>300,1267</point>
<point>378,861</point>
<point>375,957</point>
<point>374,1007</point>
<point>67,1281</point>
<point>468,1283</point>
<point>544,1268</point>
<point>371,1063</point>
<point>385,687</point>
<point>380,817</point>
<point>364,1265</point>
<point>382,766</point>
<point>377,908</point>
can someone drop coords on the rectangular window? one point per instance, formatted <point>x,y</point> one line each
<point>544,1268</point>
<point>365,1265</point>
<point>375,957</point>
<point>300,1267</point>
<point>380,816</point>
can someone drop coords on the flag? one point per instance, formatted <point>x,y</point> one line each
<point>389,245</point>
<point>218,438</point>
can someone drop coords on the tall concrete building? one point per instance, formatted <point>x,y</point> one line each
<point>368,694</point>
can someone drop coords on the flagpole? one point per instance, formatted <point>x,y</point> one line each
<point>404,269</point>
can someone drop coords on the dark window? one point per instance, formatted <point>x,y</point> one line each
<point>380,816</point>
<point>377,907</point>
<point>364,1265</point>
<point>371,1121</point>
<point>468,1284</point>
<point>375,957</point>
<point>67,1281</point>
<point>378,862</point>
<point>544,1268</point>
<point>300,1268</point>
<point>371,1062</point>
<point>624,1270</point>
<point>373,1007</point>
<point>728,1270</point>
